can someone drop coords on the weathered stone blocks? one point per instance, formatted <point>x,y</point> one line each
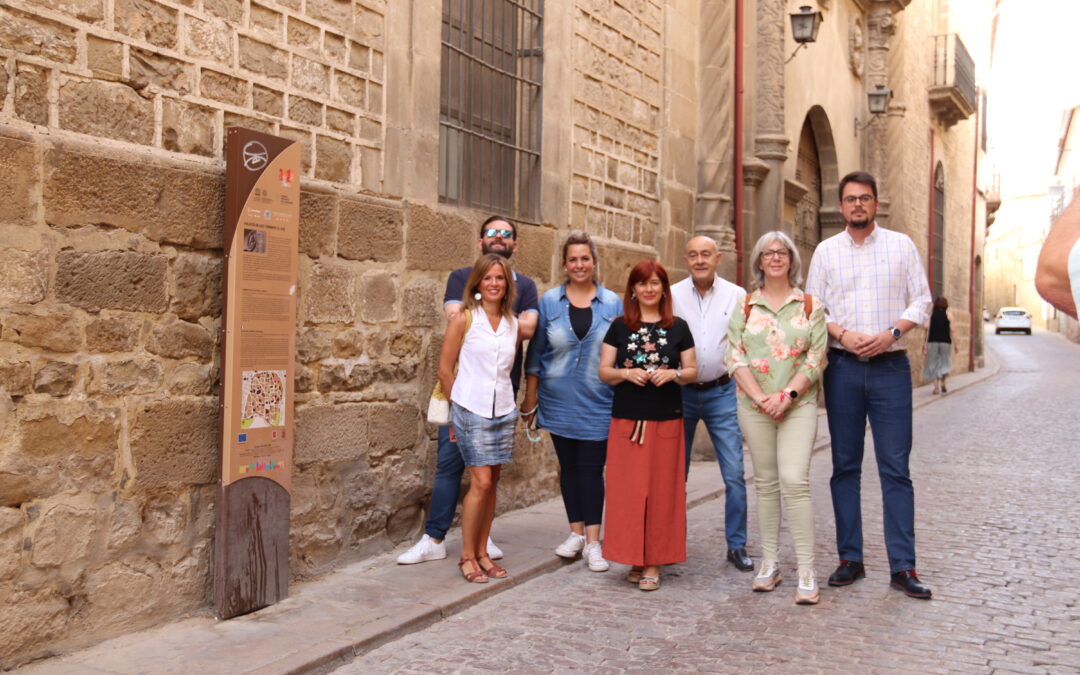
<point>105,57</point>
<point>112,280</point>
<point>62,534</point>
<point>31,93</point>
<point>147,20</point>
<point>28,34</point>
<point>24,275</point>
<point>197,286</point>
<point>422,300</point>
<point>438,241</point>
<point>106,109</point>
<point>16,182</point>
<point>370,232</point>
<point>318,223</point>
<point>210,39</point>
<point>16,377</point>
<point>378,297</point>
<point>334,159</point>
<point>263,59</point>
<point>55,378</point>
<point>190,379</point>
<point>12,522</point>
<point>128,376</point>
<point>392,427</point>
<point>113,334</point>
<point>150,68</point>
<point>348,344</point>
<point>313,344</point>
<point>187,128</point>
<point>174,441</point>
<point>180,340</point>
<point>331,433</point>
<point>330,294</point>
<point>56,332</point>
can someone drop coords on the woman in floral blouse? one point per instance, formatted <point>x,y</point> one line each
<point>776,353</point>
<point>647,354</point>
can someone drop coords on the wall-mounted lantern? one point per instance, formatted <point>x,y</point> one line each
<point>877,99</point>
<point>804,27</point>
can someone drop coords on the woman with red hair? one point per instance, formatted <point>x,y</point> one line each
<point>647,354</point>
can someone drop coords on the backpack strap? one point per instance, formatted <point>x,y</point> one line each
<point>808,304</point>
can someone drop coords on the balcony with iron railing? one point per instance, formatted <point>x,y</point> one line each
<point>952,95</point>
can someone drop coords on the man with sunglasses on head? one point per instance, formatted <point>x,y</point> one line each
<point>873,285</point>
<point>499,236</point>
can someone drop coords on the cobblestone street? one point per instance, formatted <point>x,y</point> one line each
<point>995,476</point>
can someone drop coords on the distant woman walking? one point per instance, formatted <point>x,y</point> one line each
<point>939,346</point>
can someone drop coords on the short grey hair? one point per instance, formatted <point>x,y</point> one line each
<point>794,272</point>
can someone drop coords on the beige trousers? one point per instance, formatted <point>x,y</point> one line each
<point>781,455</point>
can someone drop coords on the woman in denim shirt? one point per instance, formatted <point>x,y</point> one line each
<point>565,393</point>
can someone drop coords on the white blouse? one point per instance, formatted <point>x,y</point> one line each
<point>482,385</point>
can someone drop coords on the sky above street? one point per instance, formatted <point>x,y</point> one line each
<point>1035,77</point>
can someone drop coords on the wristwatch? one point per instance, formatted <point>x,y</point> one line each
<point>678,374</point>
<point>896,332</point>
<point>793,393</point>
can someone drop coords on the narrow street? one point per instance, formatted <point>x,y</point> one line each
<point>995,472</point>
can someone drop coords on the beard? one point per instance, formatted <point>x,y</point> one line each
<point>505,251</point>
<point>860,224</point>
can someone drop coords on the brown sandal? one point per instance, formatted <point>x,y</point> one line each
<point>493,570</point>
<point>472,577</point>
<point>634,575</point>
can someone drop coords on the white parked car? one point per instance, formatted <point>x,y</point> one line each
<point>1012,318</point>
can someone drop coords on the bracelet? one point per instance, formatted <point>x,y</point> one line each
<point>529,412</point>
<point>841,338</point>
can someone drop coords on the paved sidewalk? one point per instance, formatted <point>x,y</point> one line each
<point>326,623</point>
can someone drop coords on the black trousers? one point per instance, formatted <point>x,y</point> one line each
<point>581,478</point>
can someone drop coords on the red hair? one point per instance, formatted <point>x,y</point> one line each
<point>631,311</point>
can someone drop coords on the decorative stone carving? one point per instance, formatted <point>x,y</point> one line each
<point>856,46</point>
<point>713,208</point>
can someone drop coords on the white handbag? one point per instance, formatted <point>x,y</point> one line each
<point>438,407</point>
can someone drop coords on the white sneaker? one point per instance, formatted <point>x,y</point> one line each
<point>571,547</point>
<point>595,557</point>
<point>807,591</point>
<point>422,551</point>
<point>768,576</point>
<point>493,551</point>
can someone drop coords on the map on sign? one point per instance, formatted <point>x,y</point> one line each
<point>263,399</point>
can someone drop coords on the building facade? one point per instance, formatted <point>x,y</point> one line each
<point>640,121</point>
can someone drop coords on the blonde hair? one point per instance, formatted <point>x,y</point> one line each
<point>479,271</point>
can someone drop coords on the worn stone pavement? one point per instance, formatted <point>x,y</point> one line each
<point>995,481</point>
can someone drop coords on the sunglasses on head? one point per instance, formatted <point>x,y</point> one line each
<point>499,232</point>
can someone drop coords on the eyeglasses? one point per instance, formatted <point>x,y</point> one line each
<point>498,232</point>
<point>862,199</point>
<point>770,254</point>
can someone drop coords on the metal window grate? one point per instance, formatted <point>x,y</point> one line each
<point>489,122</point>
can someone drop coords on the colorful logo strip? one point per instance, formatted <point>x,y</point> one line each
<point>258,467</point>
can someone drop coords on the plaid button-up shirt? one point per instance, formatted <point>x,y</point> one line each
<point>870,287</point>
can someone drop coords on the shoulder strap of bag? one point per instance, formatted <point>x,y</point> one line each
<point>746,307</point>
<point>808,304</point>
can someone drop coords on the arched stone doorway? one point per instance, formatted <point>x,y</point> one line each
<point>816,207</point>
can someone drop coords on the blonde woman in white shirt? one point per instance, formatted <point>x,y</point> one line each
<point>474,366</point>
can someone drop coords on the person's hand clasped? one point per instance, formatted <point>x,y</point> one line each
<point>872,345</point>
<point>662,376</point>
<point>638,376</point>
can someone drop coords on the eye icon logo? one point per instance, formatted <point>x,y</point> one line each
<point>255,156</point>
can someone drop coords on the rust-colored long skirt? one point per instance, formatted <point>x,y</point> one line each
<point>645,494</point>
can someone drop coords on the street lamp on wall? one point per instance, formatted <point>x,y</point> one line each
<point>804,27</point>
<point>877,101</point>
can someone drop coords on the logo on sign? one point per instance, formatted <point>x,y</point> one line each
<point>255,156</point>
<point>241,438</point>
<point>285,176</point>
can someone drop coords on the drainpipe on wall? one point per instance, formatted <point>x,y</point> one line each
<point>738,189</point>
<point>930,224</point>
<point>974,211</point>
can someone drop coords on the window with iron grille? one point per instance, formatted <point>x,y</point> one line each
<point>489,122</point>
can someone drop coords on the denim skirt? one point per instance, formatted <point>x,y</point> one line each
<point>483,441</point>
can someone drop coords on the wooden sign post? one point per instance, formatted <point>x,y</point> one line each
<point>258,322</point>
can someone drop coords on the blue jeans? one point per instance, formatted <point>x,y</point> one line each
<point>718,408</point>
<point>449,466</point>
<point>881,392</point>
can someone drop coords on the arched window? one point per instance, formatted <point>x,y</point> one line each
<point>937,235</point>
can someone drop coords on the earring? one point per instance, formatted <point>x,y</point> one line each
<point>633,296</point>
<point>477,296</point>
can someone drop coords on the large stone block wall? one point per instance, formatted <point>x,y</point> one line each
<point>617,101</point>
<point>175,75</point>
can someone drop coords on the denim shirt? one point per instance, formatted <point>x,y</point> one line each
<point>573,401</point>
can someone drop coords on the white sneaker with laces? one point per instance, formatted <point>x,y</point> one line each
<point>594,556</point>
<point>422,551</point>
<point>571,547</point>
<point>768,576</point>
<point>807,591</point>
<point>493,551</point>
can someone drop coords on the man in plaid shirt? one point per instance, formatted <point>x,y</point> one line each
<point>873,285</point>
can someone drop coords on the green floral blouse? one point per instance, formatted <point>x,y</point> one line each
<point>778,344</point>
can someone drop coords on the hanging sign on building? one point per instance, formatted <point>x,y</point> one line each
<point>258,320</point>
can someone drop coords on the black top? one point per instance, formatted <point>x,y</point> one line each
<point>526,299</point>
<point>581,320</point>
<point>939,326</point>
<point>651,348</point>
